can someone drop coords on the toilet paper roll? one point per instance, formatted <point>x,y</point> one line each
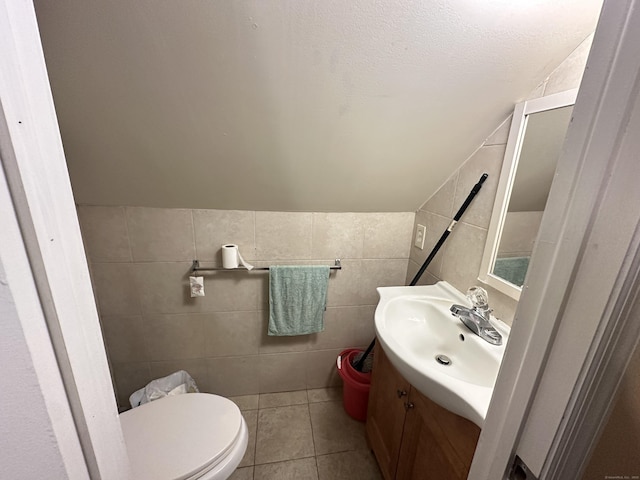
<point>231,257</point>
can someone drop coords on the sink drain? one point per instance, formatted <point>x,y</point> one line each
<point>443,360</point>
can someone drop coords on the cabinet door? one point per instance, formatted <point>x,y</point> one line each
<point>437,444</point>
<point>386,412</point>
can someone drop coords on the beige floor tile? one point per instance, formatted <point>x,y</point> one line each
<point>246,402</point>
<point>335,431</point>
<point>331,394</point>
<point>283,399</point>
<point>303,469</point>
<point>284,433</point>
<point>357,465</point>
<point>251,417</point>
<point>245,473</point>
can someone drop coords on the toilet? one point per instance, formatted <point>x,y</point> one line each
<point>185,437</point>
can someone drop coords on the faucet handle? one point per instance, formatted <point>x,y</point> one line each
<point>479,298</point>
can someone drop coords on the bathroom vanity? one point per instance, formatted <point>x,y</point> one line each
<point>432,381</point>
<point>411,436</point>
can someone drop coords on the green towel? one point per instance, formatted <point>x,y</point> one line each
<point>512,269</point>
<point>297,299</point>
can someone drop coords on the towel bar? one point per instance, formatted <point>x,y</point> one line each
<point>195,268</point>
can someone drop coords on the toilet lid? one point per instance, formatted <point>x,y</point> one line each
<point>177,437</point>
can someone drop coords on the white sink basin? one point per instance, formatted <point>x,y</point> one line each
<point>414,326</point>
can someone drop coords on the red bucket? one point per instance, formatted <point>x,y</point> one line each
<point>356,385</point>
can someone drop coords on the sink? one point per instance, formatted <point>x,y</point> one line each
<point>435,351</point>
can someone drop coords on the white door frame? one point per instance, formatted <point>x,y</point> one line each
<point>42,251</point>
<point>567,351</point>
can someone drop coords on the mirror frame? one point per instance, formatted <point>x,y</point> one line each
<point>521,114</point>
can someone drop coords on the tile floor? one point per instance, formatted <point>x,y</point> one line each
<point>303,435</point>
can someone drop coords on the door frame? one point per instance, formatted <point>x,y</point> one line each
<point>44,260</point>
<point>575,328</point>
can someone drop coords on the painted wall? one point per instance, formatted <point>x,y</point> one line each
<point>616,452</point>
<point>519,234</point>
<point>458,262</point>
<point>140,259</point>
<point>26,431</point>
<point>290,105</point>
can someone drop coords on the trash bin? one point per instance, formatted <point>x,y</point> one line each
<point>175,384</point>
<point>356,385</point>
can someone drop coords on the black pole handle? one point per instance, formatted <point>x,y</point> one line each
<point>474,191</point>
<point>360,363</point>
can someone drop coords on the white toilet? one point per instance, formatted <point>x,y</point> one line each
<point>185,437</point>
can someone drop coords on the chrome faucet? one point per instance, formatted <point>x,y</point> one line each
<point>477,318</point>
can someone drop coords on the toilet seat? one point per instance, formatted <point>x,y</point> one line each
<point>185,437</point>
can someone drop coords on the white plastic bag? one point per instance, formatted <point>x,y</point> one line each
<point>175,384</point>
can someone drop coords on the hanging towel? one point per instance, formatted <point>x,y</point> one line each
<point>297,299</point>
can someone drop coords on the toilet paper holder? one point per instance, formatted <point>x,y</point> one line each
<point>196,268</point>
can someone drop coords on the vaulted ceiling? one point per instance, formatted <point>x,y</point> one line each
<point>290,105</point>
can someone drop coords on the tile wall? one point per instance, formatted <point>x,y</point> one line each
<point>140,259</point>
<point>458,261</point>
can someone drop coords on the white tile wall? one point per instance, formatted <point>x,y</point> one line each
<point>160,234</point>
<point>283,235</point>
<point>214,228</point>
<point>337,235</point>
<point>153,327</point>
<point>105,233</point>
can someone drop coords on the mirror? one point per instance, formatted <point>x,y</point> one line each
<point>535,141</point>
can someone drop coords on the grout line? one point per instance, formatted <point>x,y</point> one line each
<point>255,241</point>
<point>193,232</point>
<point>131,262</point>
<point>284,461</point>
<point>126,227</point>
<point>255,446</point>
<point>364,219</point>
<point>313,220</point>
<point>455,190</point>
<point>313,439</point>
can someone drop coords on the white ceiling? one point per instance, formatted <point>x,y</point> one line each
<point>290,105</point>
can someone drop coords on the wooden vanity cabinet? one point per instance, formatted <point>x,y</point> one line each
<point>386,413</point>
<point>412,437</point>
